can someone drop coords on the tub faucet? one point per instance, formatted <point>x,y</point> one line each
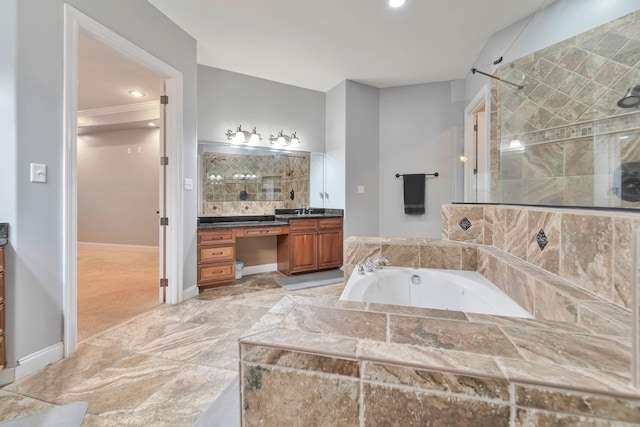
<point>377,263</point>
<point>360,267</point>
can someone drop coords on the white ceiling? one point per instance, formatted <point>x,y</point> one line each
<point>106,76</point>
<point>317,44</point>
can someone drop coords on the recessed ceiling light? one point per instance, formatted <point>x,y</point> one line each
<point>396,3</point>
<point>136,93</point>
<point>151,124</point>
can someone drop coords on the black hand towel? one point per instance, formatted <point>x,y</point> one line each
<point>414,186</point>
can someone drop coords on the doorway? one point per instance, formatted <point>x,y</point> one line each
<point>476,149</point>
<point>169,80</point>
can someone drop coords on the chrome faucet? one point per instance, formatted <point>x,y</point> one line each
<point>381,260</point>
<point>303,210</point>
<point>360,267</point>
<point>376,263</point>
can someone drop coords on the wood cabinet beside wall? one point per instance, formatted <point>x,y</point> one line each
<point>3,356</point>
<point>312,244</point>
<point>216,257</point>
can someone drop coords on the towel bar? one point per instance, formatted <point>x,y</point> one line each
<point>398,175</point>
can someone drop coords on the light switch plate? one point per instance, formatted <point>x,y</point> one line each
<point>188,184</point>
<point>361,189</point>
<point>38,173</point>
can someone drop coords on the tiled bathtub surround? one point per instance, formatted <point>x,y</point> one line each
<point>572,134</point>
<point>589,249</point>
<point>318,361</point>
<point>545,295</point>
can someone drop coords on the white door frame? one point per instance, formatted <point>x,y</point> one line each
<point>73,22</point>
<point>483,97</point>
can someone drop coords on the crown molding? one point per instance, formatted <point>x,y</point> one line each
<point>128,108</point>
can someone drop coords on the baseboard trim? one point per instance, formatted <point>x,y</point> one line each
<point>257,269</point>
<point>117,247</point>
<point>7,376</point>
<point>38,360</point>
<point>190,293</point>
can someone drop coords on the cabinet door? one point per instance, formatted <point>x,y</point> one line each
<point>303,254</point>
<point>330,249</point>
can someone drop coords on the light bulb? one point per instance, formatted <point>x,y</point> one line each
<point>396,3</point>
<point>255,139</point>
<point>294,140</point>
<point>239,137</point>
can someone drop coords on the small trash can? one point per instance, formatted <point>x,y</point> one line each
<point>239,268</point>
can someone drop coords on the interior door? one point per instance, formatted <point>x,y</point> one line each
<point>162,209</point>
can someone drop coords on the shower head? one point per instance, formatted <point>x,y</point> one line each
<point>631,98</point>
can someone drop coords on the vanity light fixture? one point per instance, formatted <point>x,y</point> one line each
<point>244,136</point>
<point>631,98</point>
<point>283,140</point>
<point>396,3</point>
<point>295,142</point>
<point>136,93</point>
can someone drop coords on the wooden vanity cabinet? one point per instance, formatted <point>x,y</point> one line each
<point>312,244</point>
<point>216,258</point>
<point>330,238</point>
<point>3,357</point>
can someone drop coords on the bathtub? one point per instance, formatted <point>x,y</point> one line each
<point>467,291</point>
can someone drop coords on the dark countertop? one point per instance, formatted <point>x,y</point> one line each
<point>241,223</point>
<point>281,217</point>
<point>287,217</point>
<point>4,233</point>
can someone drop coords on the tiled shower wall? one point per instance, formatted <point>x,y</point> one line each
<point>591,249</point>
<point>574,137</point>
<point>268,182</point>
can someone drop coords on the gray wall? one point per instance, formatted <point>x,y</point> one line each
<point>362,159</point>
<point>118,187</point>
<point>35,261</point>
<point>335,147</point>
<point>227,99</point>
<point>556,22</point>
<point>417,135</point>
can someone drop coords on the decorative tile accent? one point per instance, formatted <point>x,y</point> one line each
<point>465,224</point>
<point>542,240</point>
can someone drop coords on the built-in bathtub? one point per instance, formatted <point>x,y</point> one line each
<point>467,291</point>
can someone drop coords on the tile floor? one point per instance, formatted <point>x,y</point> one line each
<point>163,368</point>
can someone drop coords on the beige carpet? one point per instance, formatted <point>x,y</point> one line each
<point>114,285</point>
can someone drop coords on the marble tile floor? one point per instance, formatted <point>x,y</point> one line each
<point>162,368</point>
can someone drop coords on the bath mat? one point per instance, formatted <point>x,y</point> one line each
<point>311,280</point>
<point>69,415</point>
<point>225,410</point>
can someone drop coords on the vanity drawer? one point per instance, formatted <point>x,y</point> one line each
<point>1,287</point>
<point>329,223</point>
<point>261,231</point>
<point>2,314</point>
<point>215,236</point>
<point>208,254</point>
<point>212,273</point>
<point>303,225</point>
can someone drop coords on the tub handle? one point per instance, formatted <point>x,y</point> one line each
<point>360,267</point>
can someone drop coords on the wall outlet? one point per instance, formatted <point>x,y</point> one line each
<point>360,189</point>
<point>188,184</point>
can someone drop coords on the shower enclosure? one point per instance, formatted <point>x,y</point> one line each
<point>569,132</point>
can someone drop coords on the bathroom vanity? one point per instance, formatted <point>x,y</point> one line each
<point>305,242</point>
<point>3,359</point>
